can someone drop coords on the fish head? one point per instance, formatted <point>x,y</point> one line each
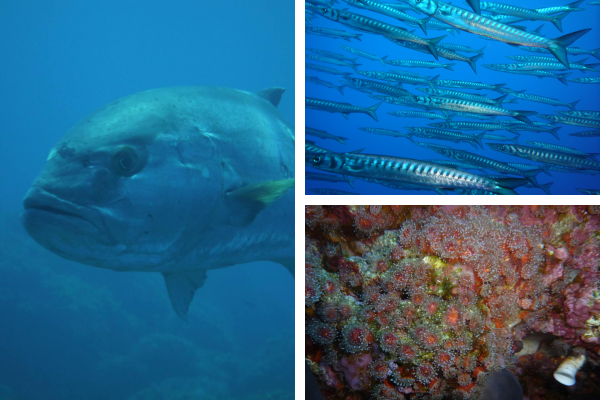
<point>120,189</point>
<point>327,12</point>
<point>426,6</point>
<point>332,162</point>
<point>503,148</point>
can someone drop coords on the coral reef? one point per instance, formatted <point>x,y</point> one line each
<point>427,301</point>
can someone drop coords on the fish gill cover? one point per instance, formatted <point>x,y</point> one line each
<point>442,105</point>
<point>427,302</point>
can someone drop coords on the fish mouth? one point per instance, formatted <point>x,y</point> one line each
<point>47,205</point>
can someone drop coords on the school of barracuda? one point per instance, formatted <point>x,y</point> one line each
<point>444,99</point>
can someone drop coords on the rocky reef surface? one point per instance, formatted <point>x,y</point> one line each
<point>406,302</point>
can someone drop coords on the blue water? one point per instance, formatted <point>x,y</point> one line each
<point>495,53</point>
<point>71,331</point>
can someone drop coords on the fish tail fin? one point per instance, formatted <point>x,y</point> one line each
<point>478,139</point>
<point>341,139</point>
<point>423,24</point>
<point>554,132</point>
<point>383,59</point>
<point>546,187</point>
<point>498,87</point>
<point>545,170</point>
<point>350,181</point>
<point>431,82</point>
<point>431,45</point>
<point>557,21</point>
<point>573,104</point>
<point>573,6</point>
<point>449,66</point>
<point>522,116</point>
<point>515,139</point>
<point>500,99</point>
<point>596,53</point>
<point>591,67</point>
<point>357,37</point>
<point>472,61</point>
<point>504,191</point>
<point>341,89</point>
<point>563,78</point>
<point>480,51</point>
<point>559,47</point>
<point>371,111</point>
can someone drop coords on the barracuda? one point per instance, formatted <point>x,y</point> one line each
<point>582,114</point>
<point>362,23</point>
<point>419,64</point>
<point>460,47</point>
<point>324,135</point>
<point>559,9</point>
<point>435,25</point>
<point>539,73</point>
<point>390,11</point>
<point>563,149</point>
<point>479,25</point>
<point>311,147</point>
<point>398,169</point>
<point>420,114</point>
<point>315,176</point>
<point>456,137</point>
<point>595,79</point>
<point>468,85</point>
<point>534,127</point>
<point>473,126</point>
<point>332,192</point>
<point>400,101</point>
<point>317,81</point>
<point>333,33</point>
<point>379,87</point>
<point>444,53</point>
<point>471,106</point>
<point>545,100</point>
<point>542,59</point>
<point>525,13</point>
<point>387,132</point>
<point>570,50</point>
<point>546,156</point>
<point>590,123</point>
<point>464,96</point>
<point>459,114</point>
<point>545,66</point>
<point>330,60</point>
<point>327,70</point>
<point>331,54</point>
<point>590,191</point>
<point>396,77</point>
<point>364,54</point>
<point>500,138</point>
<point>586,134</point>
<point>342,108</point>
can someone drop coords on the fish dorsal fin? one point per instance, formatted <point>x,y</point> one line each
<point>181,288</point>
<point>249,200</point>
<point>272,95</point>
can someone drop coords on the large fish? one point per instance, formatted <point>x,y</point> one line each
<point>174,180</point>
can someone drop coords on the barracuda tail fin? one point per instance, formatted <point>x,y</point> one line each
<point>423,24</point>
<point>449,66</point>
<point>475,6</point>
<point>573,6</point>
<point>371,111</point>
<point>499,100</point>
<point>559,47</point>
<point>480,51</point>
<point>554,131</point>
<point>383,60</point>
<point>341,89</point>
<point>478,139</point>
<point>591,67</point>
<point>431,45</point>
<point>498,87</point>
<point>515,138</point>
<point>341,139</point>
<point>353,66</point>
<point>472,61</point>
<point>557,21</point>
<point>350,181</point>
<point>572,105</point>
<point>563,78</point>
<point>357,37</point>
<point>596,53</point>
<point>431,82</point>
<point>522,116</point>
<point>546,187</point>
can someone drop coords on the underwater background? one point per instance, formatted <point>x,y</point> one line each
<point>71,331</point>
<point>494,53</point>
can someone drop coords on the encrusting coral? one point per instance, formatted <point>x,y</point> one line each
<point>427,301</point>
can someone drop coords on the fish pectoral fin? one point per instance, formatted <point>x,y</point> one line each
<point>272,95</point>
<point>181,287</point>
<point>249,200</point>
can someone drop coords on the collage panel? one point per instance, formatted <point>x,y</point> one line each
<point>429,97</point>
<point>452,302</point>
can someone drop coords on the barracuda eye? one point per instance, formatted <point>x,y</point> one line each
<point>317,159</point>
<point>126,161</point>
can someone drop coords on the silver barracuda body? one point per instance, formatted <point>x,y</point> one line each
<point>468,85</point>
<point>387,132</point>
<point>317,81</point>
<point>331,60</point>
<point>324,135</point>
<point>402,170</point>
<point>390,10</point>
<point>440,134</point>
<point>378,87</point>
<point>546,156</point>
<point>563,119</point>
<point>342,108</point>
<point>582,114</point>
<point>364,54</point>
<point>333,33</point>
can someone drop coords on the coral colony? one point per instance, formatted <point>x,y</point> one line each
<point>427,301</point>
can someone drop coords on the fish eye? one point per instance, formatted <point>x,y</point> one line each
<point>317,159</point>
<point>126,161</point>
